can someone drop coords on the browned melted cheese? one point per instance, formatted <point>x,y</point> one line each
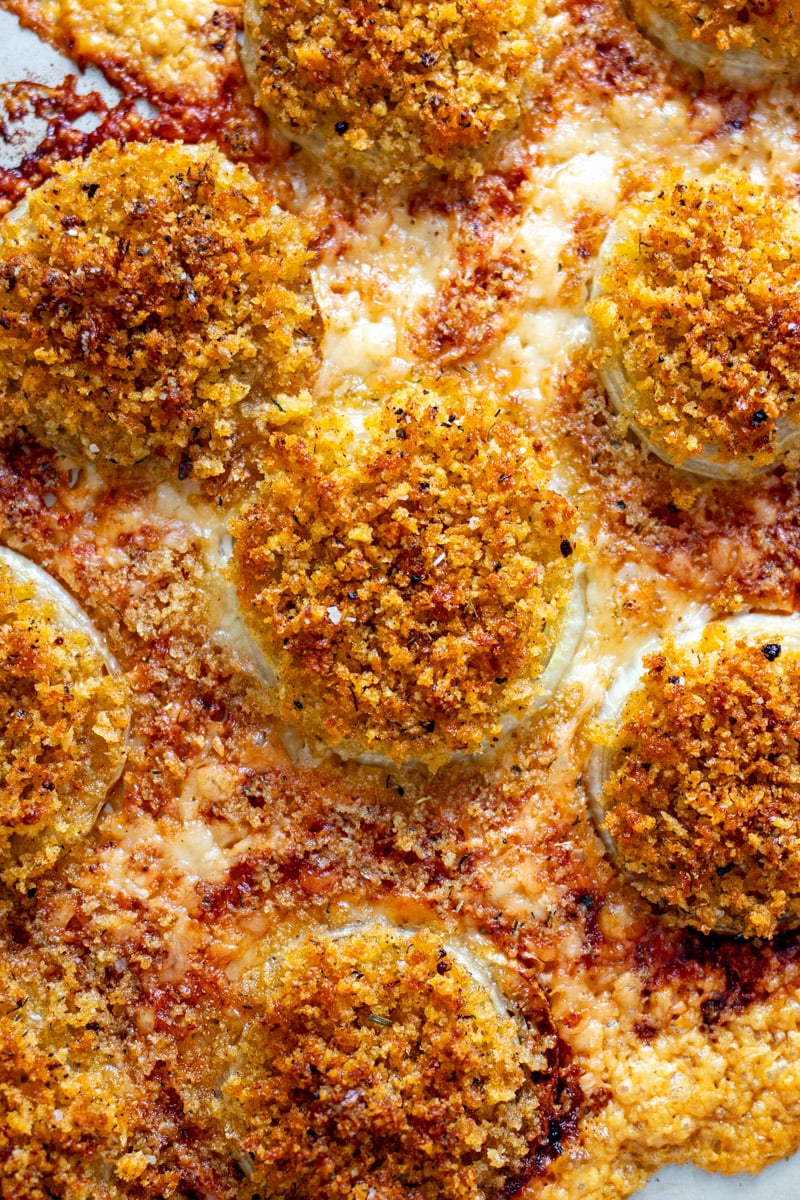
<point>157,1008</point>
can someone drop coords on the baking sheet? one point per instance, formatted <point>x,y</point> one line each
<point>23,56</point>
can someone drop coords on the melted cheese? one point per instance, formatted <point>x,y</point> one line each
<point>727,1097</point>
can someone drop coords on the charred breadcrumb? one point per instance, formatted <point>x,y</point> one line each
<point>766,27</point>
<point>701,804</point>
<point>394,88</point>
<point>409,594</point>
<point>377,1061</point>
<point>152,299</point>
<point>63,724</point>
<point>696,308</point>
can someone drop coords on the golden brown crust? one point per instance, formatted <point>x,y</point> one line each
<point>409,595</point>
<point>702,802</point>
<point>150,296</point>
<point>63,720</point>
<point>375,1062</point>
<point>218,832</point>
<point>391,88</point>
<point>697,307</point>
<point>68,1102</point>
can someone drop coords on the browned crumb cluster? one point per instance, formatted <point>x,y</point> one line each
<point>702,801</point>
<point>409,593</point>
<point>481,295</point>
<point>393,87</point>
<point>66,1099</point>
<point>63,719</point>
<point>697,308</point>
<point>377,1063</point>
<point>150,296</point>
<point>768,26</point>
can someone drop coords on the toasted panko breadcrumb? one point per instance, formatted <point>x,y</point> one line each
<point>703,802</point>
<point>697,311</point>
<point>66,1098</point>
<point>769,27</point>
<point>152,296</point>
<point>63,720</point>
<point>409,593</point>
<point>393,87</point>
<point>375,1063</point>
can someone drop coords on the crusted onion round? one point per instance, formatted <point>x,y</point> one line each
<point>63,720</point>
<point>695,778</point>
<point>393,89</point>
<point>153,298</point>
<point>414,590</point>
<point>745,44</point>
<point>696,310</point>
<point>391,1060</point>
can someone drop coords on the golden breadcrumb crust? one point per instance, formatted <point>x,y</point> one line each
<point>375,1063</point>
<point>393,87</point>
<point>769,26</point>
<point>411,593</point>
<point>63,720</point>
<point>147,295</point>
<point>675,1045</point>
<point>66,1098</point>
<point>697,305</point>
<point>702,803</point>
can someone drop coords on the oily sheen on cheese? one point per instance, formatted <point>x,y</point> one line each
<point>399,750</point>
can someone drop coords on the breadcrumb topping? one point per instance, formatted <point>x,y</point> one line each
<point>768,26</point>
<point>702,803</point>
<point>63,720</point>
<point>377,1063</point>
<point>152,296</point>
<point>391,87</point>
<point>411,593</point>
<point>697,311</point>
<point>66,1099</point>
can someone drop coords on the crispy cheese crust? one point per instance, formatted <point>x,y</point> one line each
<point>697,306</point>
<point>393,87</point>
<point>702,803</point>
<point>410,593</point>
<point>375,1063</point>
<point>150,296</point>
<point>63,720</point>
